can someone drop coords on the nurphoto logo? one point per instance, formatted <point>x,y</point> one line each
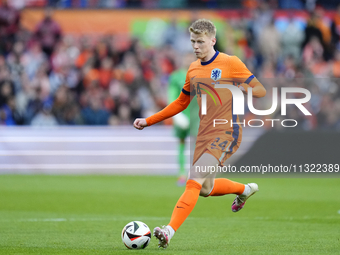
<point>238,105</point>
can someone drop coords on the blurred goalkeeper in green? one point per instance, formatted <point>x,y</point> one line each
<point>186,122</point>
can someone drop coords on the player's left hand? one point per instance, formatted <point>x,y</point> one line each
<point>243,87</point>
<point>140,123</point>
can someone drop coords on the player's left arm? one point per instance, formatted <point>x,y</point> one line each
<point>241,75</point>
<point>257,88</point>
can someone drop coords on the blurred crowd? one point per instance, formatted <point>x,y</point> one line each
<point>290,53</point>
<point>179,4</point>
<point>48,78</point>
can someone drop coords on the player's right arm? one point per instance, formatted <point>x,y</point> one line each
<point>172,109</point>
<point>180,104</point>
<point>140,123</point>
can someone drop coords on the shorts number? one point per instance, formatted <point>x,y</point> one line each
<point>222,145</point>
<point>213,143</point>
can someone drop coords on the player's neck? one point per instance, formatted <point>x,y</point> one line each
<point>209,56</point>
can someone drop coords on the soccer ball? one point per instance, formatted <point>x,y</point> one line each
<point>136,235</point>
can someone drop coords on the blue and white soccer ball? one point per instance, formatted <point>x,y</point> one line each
<point>136,235</point>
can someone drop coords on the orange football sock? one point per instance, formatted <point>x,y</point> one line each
<point>185,204</point>
<point>224,186</point>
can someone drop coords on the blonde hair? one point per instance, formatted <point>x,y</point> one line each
<point>203,26</point>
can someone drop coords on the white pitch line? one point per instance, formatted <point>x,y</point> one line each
<point>86,219</point>
<point>148,218</point>
<point>90,153</point>
<point>85,139</point>
<point>89,166</point>
<point>80,139</point>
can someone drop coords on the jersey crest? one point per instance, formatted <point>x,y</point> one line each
<point>216,74</point>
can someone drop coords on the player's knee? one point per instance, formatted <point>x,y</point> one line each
<point>206,187</point>
<point>204,192</point>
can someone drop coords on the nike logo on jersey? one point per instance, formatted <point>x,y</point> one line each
<point>180,207</point>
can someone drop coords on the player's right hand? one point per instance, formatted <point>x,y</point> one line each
<point>140,124</point>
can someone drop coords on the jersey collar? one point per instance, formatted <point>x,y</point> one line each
<point>211,60</point>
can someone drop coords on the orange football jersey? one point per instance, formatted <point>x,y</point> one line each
<point>201,79</point>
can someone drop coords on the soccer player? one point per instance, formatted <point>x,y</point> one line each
<point>183,123</point>
<point>215,144</point>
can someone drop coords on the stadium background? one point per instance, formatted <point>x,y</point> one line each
<point>73,169</point>
<point>104,63</point>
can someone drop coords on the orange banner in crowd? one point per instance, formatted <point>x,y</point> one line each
<point>105,21</point>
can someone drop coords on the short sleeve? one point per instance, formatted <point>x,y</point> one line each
<point>239,72</point>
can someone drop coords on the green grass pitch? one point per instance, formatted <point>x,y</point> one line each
<point>41,214</point>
